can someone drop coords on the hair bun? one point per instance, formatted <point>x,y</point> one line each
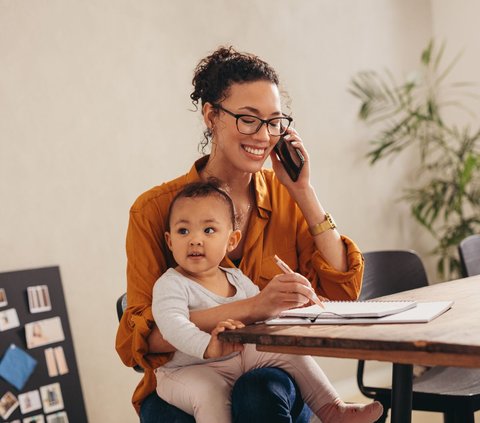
<point>214,74</point>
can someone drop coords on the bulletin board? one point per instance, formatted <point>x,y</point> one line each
<point>33,317</point>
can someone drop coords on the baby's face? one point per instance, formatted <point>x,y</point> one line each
<point>200,233</point>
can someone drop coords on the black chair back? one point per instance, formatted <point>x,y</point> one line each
<point>469,251</point>
<point>121,305</point>
<point>389,272</point>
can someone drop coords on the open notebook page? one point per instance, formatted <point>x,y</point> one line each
<point>348,309</point>
<point>424,312</point>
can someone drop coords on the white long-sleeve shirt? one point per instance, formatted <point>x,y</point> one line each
<point>174,295</point>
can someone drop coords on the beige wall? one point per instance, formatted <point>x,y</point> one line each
<point>456,23</point>
<point>94,109</point>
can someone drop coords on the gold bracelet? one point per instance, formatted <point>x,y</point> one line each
<point>327,224</point>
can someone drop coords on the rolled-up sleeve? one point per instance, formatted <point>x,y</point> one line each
<point>339,285</point>
<point>146,262</point>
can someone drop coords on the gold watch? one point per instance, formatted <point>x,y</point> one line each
<point>327,224</point>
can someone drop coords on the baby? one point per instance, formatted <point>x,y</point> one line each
<point>200,376</point>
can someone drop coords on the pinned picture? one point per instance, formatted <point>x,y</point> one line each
<point>52,399</point>
<point>8,319</point>
<point>8,404</point>
<point>60,417</point>
<point>30,401</point>
<point>16,366</point>
<point>43,332</point>
<point>3,298</point>
<point>60,360</point>
<point>51,362</point>
<point>38,418</point>
<point>56,362</point>
<point>38,299</point>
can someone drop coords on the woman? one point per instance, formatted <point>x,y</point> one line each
<point>241,106</point>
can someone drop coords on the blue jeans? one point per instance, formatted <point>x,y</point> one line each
<point>261,395</point>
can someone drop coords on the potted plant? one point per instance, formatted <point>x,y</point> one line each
<point>411,114</point>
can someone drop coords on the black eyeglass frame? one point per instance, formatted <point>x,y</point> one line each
<point>262,121</point>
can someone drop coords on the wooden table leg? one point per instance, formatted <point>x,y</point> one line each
<point>402,380</point>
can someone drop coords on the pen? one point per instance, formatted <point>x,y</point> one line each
<point>286,269</point>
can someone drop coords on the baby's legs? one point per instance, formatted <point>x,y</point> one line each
<point>316,389</point>
<point>200,390</point>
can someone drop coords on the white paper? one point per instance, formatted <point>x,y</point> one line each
<point>348,309</point>
<point>424,312</point>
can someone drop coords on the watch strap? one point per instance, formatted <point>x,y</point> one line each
<point>327,224</point>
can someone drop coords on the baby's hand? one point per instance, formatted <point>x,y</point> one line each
<point>217,348</point>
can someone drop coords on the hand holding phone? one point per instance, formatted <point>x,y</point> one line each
<point>291,158</point>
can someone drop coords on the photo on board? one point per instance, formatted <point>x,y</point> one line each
<point>37,418</point>
<point>30,401</point>
<point>8,404</point>
<point>43,332</point>
<point>52,399</point>
<point>38,299</point>
<point>8,319</point>
<point>60,417</point>
<point>3,298</point>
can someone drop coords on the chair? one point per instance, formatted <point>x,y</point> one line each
<point>455,392</point>
<point>469,251</point>
<point>121,306</point>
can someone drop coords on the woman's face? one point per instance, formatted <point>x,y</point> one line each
<point>230,148</point>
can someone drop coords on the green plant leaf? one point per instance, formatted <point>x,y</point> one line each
<point>427,53</point>
<point>445,200</point>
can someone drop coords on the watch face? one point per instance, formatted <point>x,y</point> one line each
<point>330,220</point>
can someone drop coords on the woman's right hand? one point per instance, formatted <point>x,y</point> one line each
<point>284,291</point>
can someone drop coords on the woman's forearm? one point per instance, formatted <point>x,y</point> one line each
<point>157,344</point>
<point>329,242</point>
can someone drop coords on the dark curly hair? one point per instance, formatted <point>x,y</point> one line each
<point>215,74</point>
<point>201,190</point>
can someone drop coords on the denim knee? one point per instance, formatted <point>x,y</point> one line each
<point>268,394</point>
<point>156,410</point>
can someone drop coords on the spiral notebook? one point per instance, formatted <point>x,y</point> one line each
<point>421,312</point>
<point>350,309</point>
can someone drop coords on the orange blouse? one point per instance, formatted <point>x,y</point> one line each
<point>277,226</point>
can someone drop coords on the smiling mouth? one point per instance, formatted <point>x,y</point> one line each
<point>195,254</point>
<point>255,151</point>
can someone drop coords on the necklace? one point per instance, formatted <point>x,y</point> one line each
<point>243,215</point>
<point>242,210</point>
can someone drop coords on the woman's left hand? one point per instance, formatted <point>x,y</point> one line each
<point>303,180</point>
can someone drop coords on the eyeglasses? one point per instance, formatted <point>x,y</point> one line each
<point>249,125</point>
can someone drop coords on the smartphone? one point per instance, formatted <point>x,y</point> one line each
<point>291,158</point>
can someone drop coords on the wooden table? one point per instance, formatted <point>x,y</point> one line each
<point>452,339</point>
